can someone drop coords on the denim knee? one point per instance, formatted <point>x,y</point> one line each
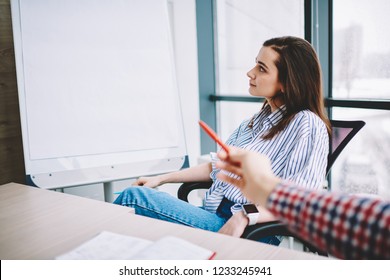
<point>160,205</point>
<point>133,195</point>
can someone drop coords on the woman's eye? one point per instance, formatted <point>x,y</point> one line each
<point>261,68</point>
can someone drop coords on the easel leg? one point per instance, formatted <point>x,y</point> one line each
<point>108,192</point>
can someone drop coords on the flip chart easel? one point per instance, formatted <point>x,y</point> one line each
<point>97,91</point>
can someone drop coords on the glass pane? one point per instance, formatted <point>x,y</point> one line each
<point>242,27</point>
<point>364,165</point>
<point>232,114</point>
<point>361,49</point>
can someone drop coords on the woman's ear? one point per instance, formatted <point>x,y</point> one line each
<point>281,87</point>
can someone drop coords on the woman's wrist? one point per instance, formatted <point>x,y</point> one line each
<point>163,178</point>
<point>242,219</point>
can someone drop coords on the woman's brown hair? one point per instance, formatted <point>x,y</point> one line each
<point>300,75</point>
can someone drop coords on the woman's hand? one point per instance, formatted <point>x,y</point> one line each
<point>236,225</point>
<point>151,182</point>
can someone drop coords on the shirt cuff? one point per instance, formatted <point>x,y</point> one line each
<point>214,159</point>
<point>274,195</point>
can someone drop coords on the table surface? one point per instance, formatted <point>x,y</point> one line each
<point>42,224</point>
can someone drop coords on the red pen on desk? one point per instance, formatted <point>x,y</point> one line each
<point>213,135</point>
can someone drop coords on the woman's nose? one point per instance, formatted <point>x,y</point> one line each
<point>250,74</point>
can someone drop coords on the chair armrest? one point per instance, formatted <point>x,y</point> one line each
<point>186,188</point>
<point>259,231</point>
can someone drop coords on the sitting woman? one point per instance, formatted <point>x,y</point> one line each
<point>291,129</point>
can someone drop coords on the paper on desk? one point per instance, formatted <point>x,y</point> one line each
<point>113,246</point>
<point>173,248</point>
<point>107,246</point>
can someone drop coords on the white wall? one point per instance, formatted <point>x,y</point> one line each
<point>183,20</point>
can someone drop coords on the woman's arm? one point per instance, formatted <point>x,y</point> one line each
<point>306,163</point>
<point>236,225</point>
<point>199,173</point>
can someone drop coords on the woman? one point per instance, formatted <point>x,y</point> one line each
<point>291,129</point>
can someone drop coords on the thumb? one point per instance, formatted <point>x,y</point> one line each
<point>236,155</point>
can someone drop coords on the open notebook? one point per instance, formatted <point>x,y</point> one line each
<point>113,246</point>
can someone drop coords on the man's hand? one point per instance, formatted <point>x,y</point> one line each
<point>255,177</point>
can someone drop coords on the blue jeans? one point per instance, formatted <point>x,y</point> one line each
<point>160,205</point>
<point>271,240</point>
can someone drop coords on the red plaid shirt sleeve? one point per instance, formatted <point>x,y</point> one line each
<point>346,226</point>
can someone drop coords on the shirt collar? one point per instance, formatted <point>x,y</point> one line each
<point>276,116</point>
<point>265,116</point>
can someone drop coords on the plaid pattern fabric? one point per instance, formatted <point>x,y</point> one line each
<point>346,226</point>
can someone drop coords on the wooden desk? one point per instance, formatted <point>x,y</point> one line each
<point>42,224</point>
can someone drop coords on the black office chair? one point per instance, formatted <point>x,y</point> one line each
<point>342,134</point>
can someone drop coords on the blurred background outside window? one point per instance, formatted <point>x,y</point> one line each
<point>361,70</point>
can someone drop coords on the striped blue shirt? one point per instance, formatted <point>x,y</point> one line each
<point>298,153</point>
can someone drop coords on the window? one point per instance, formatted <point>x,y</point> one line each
<point>361,49</point>
<point>242,27</point>
<point>361,70</point>
<point>364,165</point>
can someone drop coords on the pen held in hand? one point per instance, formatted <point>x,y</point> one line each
<point>214,136</point>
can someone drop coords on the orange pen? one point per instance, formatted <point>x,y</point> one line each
<point>213,135</point>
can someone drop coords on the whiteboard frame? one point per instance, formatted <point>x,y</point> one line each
<point>77,170</point>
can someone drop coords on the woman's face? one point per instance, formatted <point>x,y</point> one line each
<point>263,78</point>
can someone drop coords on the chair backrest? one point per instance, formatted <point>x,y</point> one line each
<point>342,134</point>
